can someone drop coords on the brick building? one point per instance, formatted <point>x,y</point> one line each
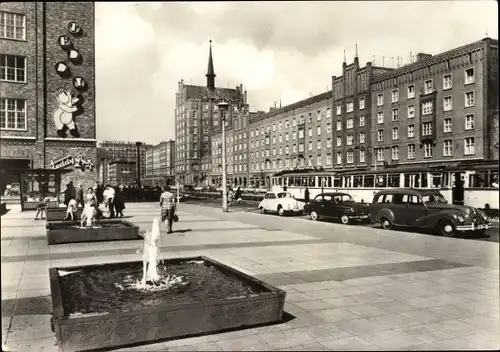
<point>196,119</point>
<point>47,102</point>
<point>351,108</point>
<point>160,164</point>
<point>296,135</point>
<point>440,110</point>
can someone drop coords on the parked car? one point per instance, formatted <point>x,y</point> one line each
<point>337,205</point>
<point>249,189</point>
<point>425,209</point>
<point>281,203</point>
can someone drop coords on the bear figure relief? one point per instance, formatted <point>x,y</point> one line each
<point>64,113</point>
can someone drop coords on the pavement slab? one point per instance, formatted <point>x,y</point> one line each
<point>348,287</point>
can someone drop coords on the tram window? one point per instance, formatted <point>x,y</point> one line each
<point>425,181</point>
<point>381,181</point>
<point>494,179</point>
<point>369,181</point>
<point>298,181</point>
<point>479,179</point>
<point>436,181</point>
<point>393,180</point>
<point>358,181</point>
<point>348,181</point>
<point>337,182</point>
<point>445,180</point>
<point>416,183</point>
<point>407,181</point>
<point>311,181</point>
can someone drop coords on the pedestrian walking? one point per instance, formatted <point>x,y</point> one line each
<point>69,193</point>
<point>119,202</point>
<point>306,195</point>
<point>167,204</point>
<point>109,196</point>
<point>41,208</point>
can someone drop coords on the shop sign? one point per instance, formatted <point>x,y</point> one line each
<point>77,162</point>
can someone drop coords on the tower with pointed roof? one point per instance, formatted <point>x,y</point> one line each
<point>198,124</point>
<point>210,71</point>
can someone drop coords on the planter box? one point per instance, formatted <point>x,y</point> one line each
<point>58,214</point>
<point>59,232</point>
<point>163,321</point>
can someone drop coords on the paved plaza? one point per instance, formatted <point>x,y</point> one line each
<point>348,287</point>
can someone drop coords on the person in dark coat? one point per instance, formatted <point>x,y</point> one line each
<point>99,190</point>
<point>69,193</point>
<point>119,202</point>
<point>306,195</point>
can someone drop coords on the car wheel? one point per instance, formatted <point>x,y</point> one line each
<point>344,219</point>
<point>386,224</point>
<point>262,210</point>
<point>281,211</point>
<point>314,216</point>
<point>446,228</point>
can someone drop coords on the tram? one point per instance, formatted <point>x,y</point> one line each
<point>474,186</point>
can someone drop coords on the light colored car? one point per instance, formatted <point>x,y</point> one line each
<point>281,203</point>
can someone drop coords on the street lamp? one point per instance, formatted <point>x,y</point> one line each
<point>138,144</point>
<point>223,107</point>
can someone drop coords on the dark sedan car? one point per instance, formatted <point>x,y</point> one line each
<point>336,205</point>
<point>425,209</point>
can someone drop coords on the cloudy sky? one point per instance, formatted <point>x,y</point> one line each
<point>278,50</point>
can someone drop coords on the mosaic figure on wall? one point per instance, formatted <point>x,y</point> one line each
<point>64,113</point>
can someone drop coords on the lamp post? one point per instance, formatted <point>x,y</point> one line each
<point>138,144</point>
<point>223,107</point>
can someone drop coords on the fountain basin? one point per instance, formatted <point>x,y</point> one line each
<point>58,214</point>
<point>97,306</point>
<point>59,232</point>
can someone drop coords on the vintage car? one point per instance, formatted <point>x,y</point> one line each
<point>281,203</point>
<point>336,205</point>
<point>425,209</point>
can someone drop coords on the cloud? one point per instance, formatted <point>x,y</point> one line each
<point>277,50</point>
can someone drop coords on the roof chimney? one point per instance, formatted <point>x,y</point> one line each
<point>423,56</point>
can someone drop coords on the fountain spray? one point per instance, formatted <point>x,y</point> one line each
<point>150,254</point>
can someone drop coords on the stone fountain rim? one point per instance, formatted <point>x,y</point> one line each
<point>57,301</point>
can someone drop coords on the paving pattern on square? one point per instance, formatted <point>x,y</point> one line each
<point>345,290</point>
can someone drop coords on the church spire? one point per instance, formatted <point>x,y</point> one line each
<point>356,52</point>
<point>210,72</point>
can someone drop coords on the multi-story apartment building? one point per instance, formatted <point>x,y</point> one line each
<point>160,164</point>
<point>237,140</point>
<point>126,151</point>
<point>47,69</point>
<point>295,136</point>
<point>196,119</point>
<point>440,110</point>
<point>351,108</point>
<point>122,172</point>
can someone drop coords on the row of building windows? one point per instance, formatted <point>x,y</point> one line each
<point>469,149</point>
<point>469,78</point>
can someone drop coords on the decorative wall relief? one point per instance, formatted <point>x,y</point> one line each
<point>62,70</point>
<point>64,113</point>
<point>65,42</point>
<point>79,83</point>
<point>75,29</point>
<point>67,108</point>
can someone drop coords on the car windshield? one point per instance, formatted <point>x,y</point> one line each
<point>284,195</point>
<point>343,198</point>
<point>434,198</point>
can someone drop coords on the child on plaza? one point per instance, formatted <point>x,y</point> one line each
<point>71,210</point>
<point>41,208</point>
